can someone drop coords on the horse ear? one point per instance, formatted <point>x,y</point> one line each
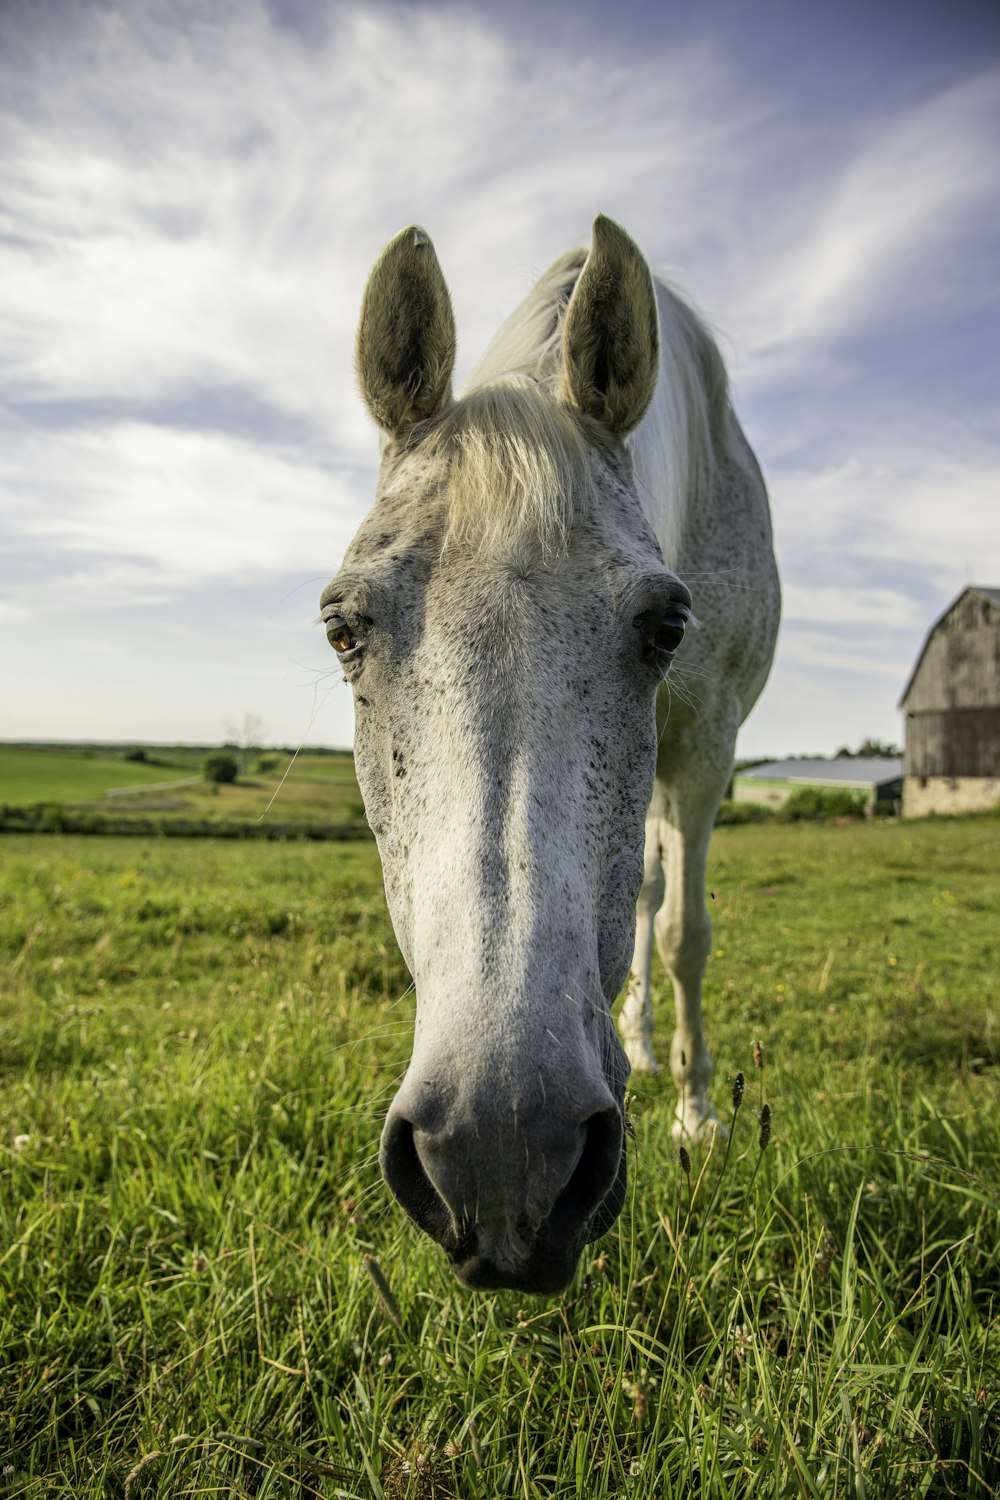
<point>406,337</point>
<point>611,339</point>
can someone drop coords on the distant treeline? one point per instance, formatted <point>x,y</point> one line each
<point>187,757</point>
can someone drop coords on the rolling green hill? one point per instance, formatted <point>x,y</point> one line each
<point>314,788</point>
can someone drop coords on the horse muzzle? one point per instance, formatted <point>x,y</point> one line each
<point>512,1202</point>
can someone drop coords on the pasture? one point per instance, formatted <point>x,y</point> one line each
<point>73,773</point>
<point>319,790</point>
<point>207,1291</point>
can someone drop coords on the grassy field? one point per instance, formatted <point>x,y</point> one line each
<point>317,789</point>
<point>71,774</point>
<point>204,1289</point>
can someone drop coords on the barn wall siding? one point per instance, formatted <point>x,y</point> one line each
<point>960,665</point>
<point>923,795</point>
<point>958,742</point>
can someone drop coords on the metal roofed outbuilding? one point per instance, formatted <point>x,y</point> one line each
<point>771,785</point>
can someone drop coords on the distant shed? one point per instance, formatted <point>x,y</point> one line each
<point>952,709</point>
<point>880,777</point>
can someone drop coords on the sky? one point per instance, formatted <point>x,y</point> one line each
<point>193,192</point>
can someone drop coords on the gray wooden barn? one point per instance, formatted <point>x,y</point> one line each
<point>951,761</point>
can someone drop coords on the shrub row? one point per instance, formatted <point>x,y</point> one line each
<point>54,817</point>
<point>809,804</point>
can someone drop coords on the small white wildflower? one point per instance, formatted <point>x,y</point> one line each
<point>742,1337</point>
<point>21,1141</point>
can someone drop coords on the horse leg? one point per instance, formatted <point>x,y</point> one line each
<point>635,1021</point>
<point>684,936</point>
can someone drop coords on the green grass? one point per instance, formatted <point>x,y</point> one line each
<point>57,774</point>
<point>318,788</point>
<point>198,1041</point>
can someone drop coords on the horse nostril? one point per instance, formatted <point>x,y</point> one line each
<point>597,1173</point>
<point>404,1172</point>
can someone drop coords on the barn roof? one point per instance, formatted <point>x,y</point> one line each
<point>858,770</point>
<point>984,591</point>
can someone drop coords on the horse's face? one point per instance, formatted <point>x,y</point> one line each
<point>505,748</point>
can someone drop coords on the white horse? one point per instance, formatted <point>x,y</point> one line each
<point>506,616</point>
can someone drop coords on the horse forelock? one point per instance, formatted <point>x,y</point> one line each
<point>516,463</point>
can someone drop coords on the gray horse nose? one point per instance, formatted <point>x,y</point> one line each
<point>480,1187</point>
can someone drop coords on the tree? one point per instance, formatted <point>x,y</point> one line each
<point>220,766</point>
<point>869,749</point>
<point>245,736</point>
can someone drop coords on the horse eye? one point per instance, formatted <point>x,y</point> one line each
<point>660,632</point>
<point>339,634</point>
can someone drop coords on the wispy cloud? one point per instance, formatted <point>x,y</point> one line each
<point>921,502</point>
<point>854,604</point>
<point>155,511</point>
<point>874,234</point>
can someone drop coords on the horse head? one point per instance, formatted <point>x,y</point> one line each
<point>504,617</point>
